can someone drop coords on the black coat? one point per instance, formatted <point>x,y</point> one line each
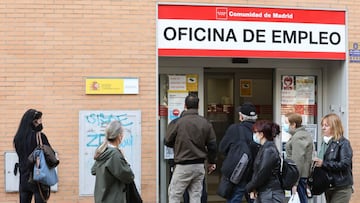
<point>232,135</point>
<point>338,162</point>
<point>266,169</point>
<point>238,135</point>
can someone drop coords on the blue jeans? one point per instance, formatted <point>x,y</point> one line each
<point>238,193</point>
<point>301,189</point>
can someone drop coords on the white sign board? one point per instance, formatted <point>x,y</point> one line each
<point>228,31</point>
<point>91,134</point>
<point>175,107</point>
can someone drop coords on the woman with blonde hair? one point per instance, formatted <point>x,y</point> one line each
<point>110,168</point>
<point>335,156</point>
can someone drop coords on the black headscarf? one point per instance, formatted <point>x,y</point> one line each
<point>26,127</point>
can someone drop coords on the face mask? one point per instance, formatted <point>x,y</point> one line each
<point>327,139</point>
<point>38,128</point>
<point>287,127</point>
<point>256,139</point>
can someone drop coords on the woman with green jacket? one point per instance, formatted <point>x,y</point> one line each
<point>299,148</point>
<point>110,168</point>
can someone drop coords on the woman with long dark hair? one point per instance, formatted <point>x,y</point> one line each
<point>25,143</point>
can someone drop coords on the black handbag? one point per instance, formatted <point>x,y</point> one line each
<point>225,188</point>
<point>132,194</point>
<point>319,180</point>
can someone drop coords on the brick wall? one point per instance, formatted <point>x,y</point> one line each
<point>47,48</point>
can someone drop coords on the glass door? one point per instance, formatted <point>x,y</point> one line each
<point>219,102</point>
<point>224,91</point>
<point>299,95</point>
<point>300,91</point>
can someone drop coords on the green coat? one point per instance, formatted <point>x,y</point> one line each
<point>112,173</point>
<point>299,148</point>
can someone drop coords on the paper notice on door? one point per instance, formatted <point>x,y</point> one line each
<point>245,88</point>
<point>305,89</point>
<point>298,90</point>
<point>177,82</point>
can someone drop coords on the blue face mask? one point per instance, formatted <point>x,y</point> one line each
<point>256,139</point>
<point>286,127</point>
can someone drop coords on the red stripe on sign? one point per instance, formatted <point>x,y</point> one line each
<point>197,12</point>
<point>251,54</point>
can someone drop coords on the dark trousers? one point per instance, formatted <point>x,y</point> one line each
<point>27,191</point>
<point>271,196</point>
<point>336,195</point>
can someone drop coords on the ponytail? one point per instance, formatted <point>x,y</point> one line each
<point>275,128</point>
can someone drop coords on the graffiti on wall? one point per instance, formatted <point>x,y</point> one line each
<point>92,126</point>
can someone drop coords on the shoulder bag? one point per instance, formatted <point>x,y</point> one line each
<point>225,188</point>
<point>237,165</point>
<point>50,156</point>
<point>318,181</point>
<point>132,194</point>
<point>42,173</point>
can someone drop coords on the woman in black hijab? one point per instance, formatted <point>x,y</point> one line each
<point>25,143</point>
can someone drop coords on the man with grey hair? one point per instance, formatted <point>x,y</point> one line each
<point>239,135</point>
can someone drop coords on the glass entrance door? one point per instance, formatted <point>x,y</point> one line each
<point>299,95</point>
<point>299,91</point>
<point>219,106</point>
<point>224,91</point>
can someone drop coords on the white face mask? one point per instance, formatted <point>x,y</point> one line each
<point>327,139</point>
<point>287,127</point>
<point>256,139</point>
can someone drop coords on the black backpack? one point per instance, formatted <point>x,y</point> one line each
<point>289,174</point>
<point>237,165</point>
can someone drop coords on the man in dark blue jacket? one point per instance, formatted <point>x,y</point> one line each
<point>240,132</point>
